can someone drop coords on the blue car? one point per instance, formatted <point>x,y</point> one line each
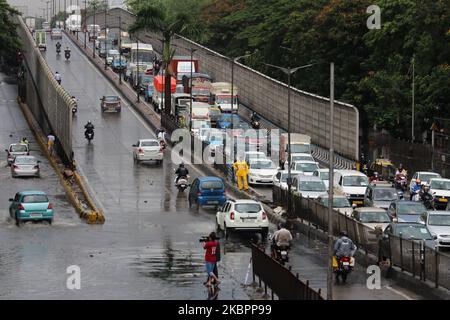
<point>148,92</point>
<point>207,191</point>
<point>225,120</point>
<point>31,205</point>
<point>119,64</point>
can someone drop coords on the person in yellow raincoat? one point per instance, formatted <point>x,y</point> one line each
<point>240,168</point>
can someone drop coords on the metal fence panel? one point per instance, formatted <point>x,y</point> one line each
<point>444,270</point>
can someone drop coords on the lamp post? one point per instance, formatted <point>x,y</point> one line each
<point>48,2</point>
<point>120,48</point>
<point>85,23</point>
<point>78,7</point>
<point>413,106</point>
<point>106,36</point>
<point>95,32</point>
<point>64,16</point>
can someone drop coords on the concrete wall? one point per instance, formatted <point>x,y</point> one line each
<point>50,104</point>
<point>266,96</point>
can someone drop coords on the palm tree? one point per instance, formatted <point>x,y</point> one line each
<point>159,20</point>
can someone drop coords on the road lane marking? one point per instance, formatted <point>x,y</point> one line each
<point>399,293</point>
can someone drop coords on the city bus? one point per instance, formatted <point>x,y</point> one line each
<point>143,53</point>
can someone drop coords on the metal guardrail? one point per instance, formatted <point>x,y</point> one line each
<point>409,255</point>
<point>279,279</point>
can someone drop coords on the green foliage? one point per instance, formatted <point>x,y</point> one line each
<point>8,35</point>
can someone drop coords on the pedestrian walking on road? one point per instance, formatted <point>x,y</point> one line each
<point>211,258</point>
<point>50,143</point>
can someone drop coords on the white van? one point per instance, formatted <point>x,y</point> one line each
<point>352,184</point>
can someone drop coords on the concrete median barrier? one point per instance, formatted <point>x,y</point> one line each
<point>85,207</point>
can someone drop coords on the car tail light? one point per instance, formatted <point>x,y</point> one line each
<point>264,215</point>
<point>345,259</point>
<point>20,207</point>
<point>141,150</point>
<point>50,206</point>
<point>231,215</point>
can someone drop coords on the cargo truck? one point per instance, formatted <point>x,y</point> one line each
<point>300,143</point>
<point>201,86</point>
<point>221,97</point>
<point>181,66</point>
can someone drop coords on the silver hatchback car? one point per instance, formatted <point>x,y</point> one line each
<point>25,166</point>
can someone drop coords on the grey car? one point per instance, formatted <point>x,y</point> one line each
<point>381,195</point>
<point>16,149</point>
<point>438,222</point>
<point>25,166</point>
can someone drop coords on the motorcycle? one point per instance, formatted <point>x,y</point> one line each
<point>162,144</point>
<point>344,267</point>
<point>74,110</point>
<point>428,201</point>
<point>280,254</point>
<point>182,183</point>
<point>256,124</point>
<point>58,51</point>
<point>67,55</point>
<point>89,135</point>
<point>401,182</point>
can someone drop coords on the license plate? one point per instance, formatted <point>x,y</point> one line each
<point>357,202</point>
<point>284,253</point>
<point>213,202</point>
<point>345,263</point>
<point>443,200</point>
<point>36,215</point>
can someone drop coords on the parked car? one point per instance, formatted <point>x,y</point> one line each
<point>340,203</point>
<point>372,217</point>
<point>147,150</point>
<point>207,191</point>
<point>309,186</point>
<point>381,195</point>
<point>261,171</point>
<point>307,167</point>
<point>440,189</point>
<point>352,184</point>
<point>407,231</point>
<point>31,205</point>
<point>110,104</point>
<point>280,179</point>
<point>56,33</point>
<point>25,166</point>
<point>407,211</point>
<point>242,215</point>
<point>16,149</point>
<point>438,222</point>
<point>424,177</point>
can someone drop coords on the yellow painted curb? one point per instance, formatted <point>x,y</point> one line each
<point>93,215</point>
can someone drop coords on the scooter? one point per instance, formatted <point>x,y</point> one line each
<point>89,136</point>
<point>401,182</point>
<point>58,51</point>
<point>67,54</point>
<point>428,201</point>
<point>256,124</point>
<point>182,184</point>
<point>74,110</point>
<point>345,266</point>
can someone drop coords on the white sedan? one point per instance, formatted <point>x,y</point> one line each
<point>242,215</point>
<point>261,171</point>
<point>307,167</point>
<point>147,150</point>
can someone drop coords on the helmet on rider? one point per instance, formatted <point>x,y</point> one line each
<point>89,122</point>
<point>182,165</point>
<point>279,226</point>
<point>343,233</point>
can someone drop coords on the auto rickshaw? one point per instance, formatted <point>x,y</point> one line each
<point>384,167</point>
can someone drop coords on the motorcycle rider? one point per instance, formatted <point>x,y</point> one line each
<point>67,52</point>
<point>415,189</point>
<point>281,238</point>
<point>426,197</point>
<point>343,247</point>
<point>58,47</point>
<point>255,117</point>
<point>58,77</point>
<point>162,137</point>
<point>89,128</point>
<point>24,140</point>
<point>181,172</point>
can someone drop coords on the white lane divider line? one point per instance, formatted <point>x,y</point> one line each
<point>399,293</point>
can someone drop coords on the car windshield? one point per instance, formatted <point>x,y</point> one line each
<point>311,186</point>
<point>440,184</point>
<point>439,220</point>
<point>301,158</point>
<point>355,181</point>
<point>299,148</point>
<point>35,198</point>
<point>385,194</point>
<point>262,165</point>
<point>425,177</point>
<point>215,185</point>
<point>324,175</point>
<point>410,208</point>
<point>149,144</point>
<point>337,202</point>
<point>25,160</point>
<point>374,217</point>
<point>18,148</point>
<point>284,176</point>
<point>248,207</point>
<point>306,167</point>
<point>145,56</point>
<point>111,99</point>
<point>413,231</point>
<point>200,124</point>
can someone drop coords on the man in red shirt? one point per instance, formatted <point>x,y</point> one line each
<point>211,247</point>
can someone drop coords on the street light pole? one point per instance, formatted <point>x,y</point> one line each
<point>413,106</point>
<point>190,91</point>
<point>47,10</point>
<point>95,32</point>
<point>78,7</point>
<point>120,48</point>
<point>330,192</point>
<point>85,23</point>
<point>106,37</point>
<point>64,16</point>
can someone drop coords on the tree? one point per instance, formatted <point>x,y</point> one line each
<point>8,34</point>
<point>162,21</point>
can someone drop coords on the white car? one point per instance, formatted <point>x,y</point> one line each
<point>252,155</point>
<point>438,222</point>
<point>261,171</point>
<point>147,150</point>
<point>307,167</point>
<point>309,187</point>
<point>280,179</point>
<point>301,157</point>
<point>112,54</point>
<point>372,217</point>
<point>424,177</point>
<point>440,189</point>
<point>242,215</point>
<point>352,184</point>
<point>324,174</point>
